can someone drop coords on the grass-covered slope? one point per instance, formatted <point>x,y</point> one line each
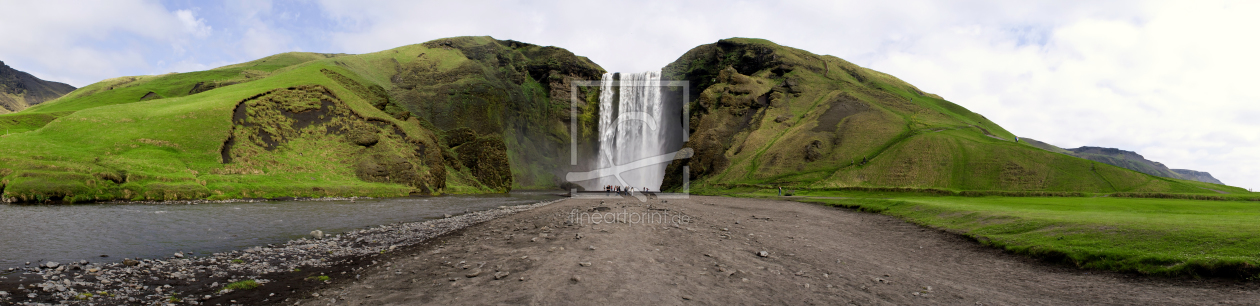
<point>123,90</point>
<point>768,114</point>
<point>302,125</point>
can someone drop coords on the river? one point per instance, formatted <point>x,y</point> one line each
<point>64,233</point>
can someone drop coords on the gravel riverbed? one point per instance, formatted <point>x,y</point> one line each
<point>208,280</point>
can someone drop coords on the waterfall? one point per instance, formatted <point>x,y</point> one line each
<point>632,128</point>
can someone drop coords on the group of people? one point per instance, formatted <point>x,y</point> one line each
<point>621,190</point>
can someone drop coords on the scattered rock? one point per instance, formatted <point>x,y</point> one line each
<point>575,278</point>
<point>763,254</point>
<point>500,275</point>
<point>585,264</point>
<point>179,255</point>
<point>318,234</point>
<point>473,273</point>
<point>51,265</point>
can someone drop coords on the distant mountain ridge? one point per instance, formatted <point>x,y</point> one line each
<point>1128,160</point>
<point>1197,176</point>
<point>19,90</point>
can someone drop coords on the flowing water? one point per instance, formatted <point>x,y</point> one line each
<point>632,126</point>
<point>64,233</point>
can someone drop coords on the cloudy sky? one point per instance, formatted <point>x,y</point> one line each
<point>1174,81</point>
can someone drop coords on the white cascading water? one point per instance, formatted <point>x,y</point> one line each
<point>631,129</point>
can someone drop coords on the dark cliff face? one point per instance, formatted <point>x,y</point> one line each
<point>19,90</point>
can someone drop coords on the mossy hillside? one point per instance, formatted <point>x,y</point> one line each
<point>154,152</point>
<point>172,148</point>
<point>516,90</point>
<point>767,114</point>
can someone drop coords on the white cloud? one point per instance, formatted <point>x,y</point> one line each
<point>193,25</point>
<point>63,41</point>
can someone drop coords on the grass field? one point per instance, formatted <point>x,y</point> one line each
<point>1171,237</point>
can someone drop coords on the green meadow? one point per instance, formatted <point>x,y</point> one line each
<point>1156,236</point>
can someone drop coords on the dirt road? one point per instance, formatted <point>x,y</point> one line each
<point>567,254</point>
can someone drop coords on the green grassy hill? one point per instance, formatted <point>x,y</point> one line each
<point>764,114</point>
<point>447,116</point>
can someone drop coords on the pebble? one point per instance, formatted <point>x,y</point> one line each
<point>318,234</point>
<point>500,275</point>
<point>576,278</point>
<point>473,273</point>
<point>179,255</point>
<point>51,265</point>
<point>585,264</point>
<point>763,254</point>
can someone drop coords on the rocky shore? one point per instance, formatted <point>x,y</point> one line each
<point>221,278</point>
